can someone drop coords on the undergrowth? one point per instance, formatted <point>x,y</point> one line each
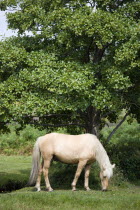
<point>18,141</point>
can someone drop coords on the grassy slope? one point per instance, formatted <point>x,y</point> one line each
<point>17,169</point>
<point>66,199</point>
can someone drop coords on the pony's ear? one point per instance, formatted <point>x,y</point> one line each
<point>113,166</point>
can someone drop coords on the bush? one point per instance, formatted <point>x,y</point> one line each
<point>61,176</point>
<point>124,149</point>
<point>127,132</point>
<point>19,141</point>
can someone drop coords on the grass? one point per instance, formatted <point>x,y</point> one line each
<point>15,170</point>
<point>66,199</point>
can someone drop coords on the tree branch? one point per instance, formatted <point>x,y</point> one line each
<point>49,125</point>
<point>47,115</point>
<point>119,124</point>
<point>57,125</point>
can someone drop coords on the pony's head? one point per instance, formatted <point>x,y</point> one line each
<point>105,174</point>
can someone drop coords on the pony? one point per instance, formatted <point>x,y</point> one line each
<point>83,149</point>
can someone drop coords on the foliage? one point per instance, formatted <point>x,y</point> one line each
<point>19,142</point>
<point>124,149</point>
<point>82,60</point>
<point>61,176</point>
<point>128,132</point>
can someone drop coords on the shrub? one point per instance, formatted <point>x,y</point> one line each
<point>124,149</point>
<point>30,134</point>
<point>127,132</point>
<point>61,176</point>
<point>20,142</point>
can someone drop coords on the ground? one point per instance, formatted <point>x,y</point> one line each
<point>14,173</point>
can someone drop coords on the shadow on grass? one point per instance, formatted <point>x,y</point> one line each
<point>60,175</point>
<point>13,181</point>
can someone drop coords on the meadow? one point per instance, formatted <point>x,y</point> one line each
<point>14,173</point>
<point>66,199</point>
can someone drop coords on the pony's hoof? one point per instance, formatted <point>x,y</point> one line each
<point>88,189</point>
<point>74,190</point>
<point>50,190</point>
<point>104,190</point>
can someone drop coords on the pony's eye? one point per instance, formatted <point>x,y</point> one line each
<point>104,176</point>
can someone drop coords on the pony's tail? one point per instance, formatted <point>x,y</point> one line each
<point>35,164</point>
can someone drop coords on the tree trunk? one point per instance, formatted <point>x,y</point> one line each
<point>93,121</point>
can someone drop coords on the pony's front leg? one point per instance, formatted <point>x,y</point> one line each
<point>80,167</point>
<point>39,178</point>
<point>46,171</point>
<point>87,171</point>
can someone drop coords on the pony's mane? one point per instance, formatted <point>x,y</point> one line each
<point>103,160</point>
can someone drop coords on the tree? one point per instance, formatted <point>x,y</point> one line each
<point>79,66</point>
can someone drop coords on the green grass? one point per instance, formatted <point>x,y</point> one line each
<point>66,199</point>
<point>14,171</point>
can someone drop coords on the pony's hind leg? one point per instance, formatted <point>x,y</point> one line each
<point>39,177</point>
<point>45,171</point>
<point>87,171</point>
<point>80,167</point>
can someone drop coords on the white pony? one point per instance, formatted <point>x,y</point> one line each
<point>81,149</point>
